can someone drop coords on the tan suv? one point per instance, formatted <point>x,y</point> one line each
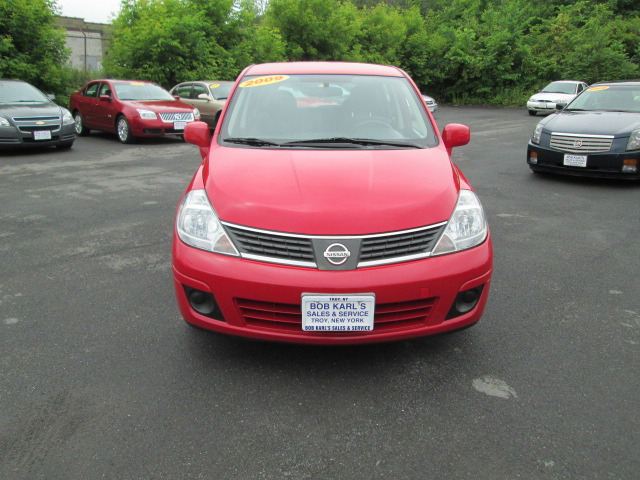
<point>209,96</point>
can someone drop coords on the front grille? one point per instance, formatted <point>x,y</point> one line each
<point>288,317</point>
<point>51,128</point>
<point>299,250</point>
<point>177,117</point>
<point>32,124</point>
<point>35,119</point>
<point>568,142</point>
<point>272,245</point>
<point>399,245</point>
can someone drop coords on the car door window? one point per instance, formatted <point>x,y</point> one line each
<point>197,90</point>
<point>105,89</point>
<point>183,91</point>
<point>91,90</point>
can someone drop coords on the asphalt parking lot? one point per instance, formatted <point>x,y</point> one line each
<point>101,378</point>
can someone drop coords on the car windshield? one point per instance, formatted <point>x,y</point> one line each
<point>220,91</point>
<point>619,98</point>
<point>327,111</point>
<point>141,91</point>
<point>17,92</point>
<point>560,87</point>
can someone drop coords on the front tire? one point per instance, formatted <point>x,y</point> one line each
<point>532,113</point>
<point>64,146</point>
<point>81,130</point>
<point>124,130</point>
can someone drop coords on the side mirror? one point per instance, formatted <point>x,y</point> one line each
<point>560,106</point>
<point>455,135</point>
<point>203,96</point>
<point>105,98</point>
<point>197,133</point>
<point>51,96</point>
<point>177,97</point>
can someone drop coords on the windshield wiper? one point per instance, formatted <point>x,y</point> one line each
<point>256,142</point>
<point>353,141</point>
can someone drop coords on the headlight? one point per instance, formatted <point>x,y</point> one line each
<point>537,133</point>
<point>67,118</point>
<point>199,226</point>
<point>532,99</point>
<point>147,114</point>
<point>4,122</point>
<point>634,140</point>
<point>196,114</point>
<point>467,226</point>
<point>560,100</point>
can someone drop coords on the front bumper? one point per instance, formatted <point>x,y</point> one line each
<point>601,165</point>
<point>14,138</point>
<point>154,128</point>
<point>541,107</point>
<point>263,300</point>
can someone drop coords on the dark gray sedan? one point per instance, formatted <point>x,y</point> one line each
<point>28,118</point>
<point>597,134</point>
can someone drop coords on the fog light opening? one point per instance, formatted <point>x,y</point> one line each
<point>630,165</point>
<point>465,302</point>
<point>203,302</point>
<point>533,158</point>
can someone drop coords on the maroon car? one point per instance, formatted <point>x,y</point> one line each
<point>130,109</point>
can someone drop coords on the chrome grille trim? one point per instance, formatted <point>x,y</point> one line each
<point>53,123</point>
<point>578,143</point>
<point>297,250</point>
<point>171,117</point>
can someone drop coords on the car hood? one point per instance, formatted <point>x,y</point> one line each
<point>331,192</point>
<point>593,123</point>
<point>552,97</point>
<point>30,109</point>
<point>161,106</point>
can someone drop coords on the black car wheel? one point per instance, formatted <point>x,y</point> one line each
<point>124,130</point>
<point>532,113</point>
<point>81,130</point>
<point>65,146</point>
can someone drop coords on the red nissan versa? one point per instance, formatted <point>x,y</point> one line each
<point>327,210</point>
<point>131,109</point>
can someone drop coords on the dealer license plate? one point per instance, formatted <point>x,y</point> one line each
<point>42,135</point>
<point>179,125</point>
<point>338,313</point>
<point>575,160</point>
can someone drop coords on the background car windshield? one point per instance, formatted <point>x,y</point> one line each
<point>560,87</point>
<point>293,108</point>
<point>620,98</point>
<point>221,92</point>
<point>141,91</point>
<point>16,92</point>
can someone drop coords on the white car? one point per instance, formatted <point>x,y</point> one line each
<point>562,91</point>
<point>431,103</point>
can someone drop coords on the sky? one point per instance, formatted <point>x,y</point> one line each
<point>99,11</point>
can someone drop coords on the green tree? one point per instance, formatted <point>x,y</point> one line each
<point>32,47</point>
<point>314,29</point>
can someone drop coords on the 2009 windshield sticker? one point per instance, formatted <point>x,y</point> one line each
<point>214,85</point>
<point>137,84</point>
<point>260,81</point>
<point>596,89</point>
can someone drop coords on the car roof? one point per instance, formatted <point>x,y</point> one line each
<point>326,68</point>
<point>113,80</point>
<point>208,81</point>
<point>634,83</point>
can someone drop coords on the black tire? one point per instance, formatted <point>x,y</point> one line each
<point>532,113</point>
<point>123,130</point>
<point>65,146</point>
<point>81,130</point>
<point>535,169</point>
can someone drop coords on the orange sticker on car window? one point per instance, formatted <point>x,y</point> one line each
<point>215,85</point>
<point>596,89</point>
<point>258,82</point>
